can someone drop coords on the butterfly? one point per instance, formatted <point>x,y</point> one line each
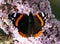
<point>28,25</point>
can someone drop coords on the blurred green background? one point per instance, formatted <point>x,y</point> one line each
<point>55,6</point>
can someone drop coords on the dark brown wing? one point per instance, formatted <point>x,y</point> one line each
<point>39,23</point>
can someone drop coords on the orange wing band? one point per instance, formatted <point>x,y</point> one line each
<point>22,34</point>
<point>41,20</point>
<point>18,19</point>
<point>38,34</point>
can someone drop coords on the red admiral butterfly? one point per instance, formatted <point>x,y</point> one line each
<point>28,25</point>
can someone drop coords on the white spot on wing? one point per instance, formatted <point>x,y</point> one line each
<point>15,15</point>
<point>42,14</point>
